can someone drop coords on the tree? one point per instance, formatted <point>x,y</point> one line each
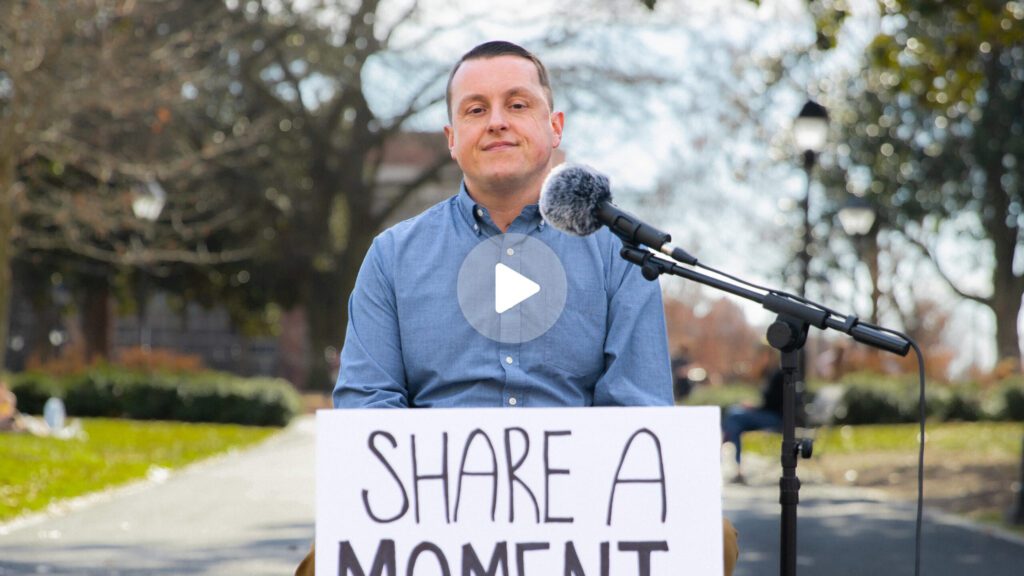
<point>33,63</point>
<point>342,83</point>
<point>82,137</point>
<point>938,119</point>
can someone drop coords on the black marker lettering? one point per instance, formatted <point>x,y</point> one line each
<point>471,563</point>
<point>659,480</point>
<point>493,472</point>
<point>384,461</point>
<point>522,549</point>
<point>384,560</point>
<point>643,553</point>
<point>433,549</point>
<point>443,476</point>
<point>513,478</point>
<point>548,473</point>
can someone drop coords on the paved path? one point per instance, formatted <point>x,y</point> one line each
<point>247,513</point>
<point>842,532</point>
<point>251,513</point>
<point>856,532</point>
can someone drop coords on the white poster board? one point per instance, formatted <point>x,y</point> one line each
<point>523,492</point>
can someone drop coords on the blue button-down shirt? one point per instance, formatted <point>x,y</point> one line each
<point>408,344</point>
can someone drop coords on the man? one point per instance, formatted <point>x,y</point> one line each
<point>408,342</point>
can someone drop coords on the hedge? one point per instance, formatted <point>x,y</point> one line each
<point>869,398</point>
<point>196,397</point>
<point>880,399</point>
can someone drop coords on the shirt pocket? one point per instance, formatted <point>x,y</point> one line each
<point>575,344</point>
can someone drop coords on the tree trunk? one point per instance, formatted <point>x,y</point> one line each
<point>326,330</point>
<point>999,222</point>
<point>1006,305</point>
<point>328,323</point>
<point>872,259</point>
<point>96,325</point>
<point>6,250</point>
<point>5,274</point>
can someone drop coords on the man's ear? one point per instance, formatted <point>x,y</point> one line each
<point>449,133</point>
<point>557,123</point>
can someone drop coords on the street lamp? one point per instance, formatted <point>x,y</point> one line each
<point>857,216</point>
<point>148,199</point>
<point>810,130</point>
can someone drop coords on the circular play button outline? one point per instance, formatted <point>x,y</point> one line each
<point>512,288</point>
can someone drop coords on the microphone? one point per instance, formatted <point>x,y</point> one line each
<point>576,199</point>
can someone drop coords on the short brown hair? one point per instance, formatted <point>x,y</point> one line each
<point>494,49</point>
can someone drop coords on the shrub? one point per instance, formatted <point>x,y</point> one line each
<point>1013,399</point>
<point>33,389</point>
<point>869,406</point>
<point>961,405</point>
<point>200,397</point>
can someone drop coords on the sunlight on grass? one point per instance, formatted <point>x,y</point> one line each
<point>996,439</point>
<point>35,472</point>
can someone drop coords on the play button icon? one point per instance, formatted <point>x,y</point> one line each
<point>511,288</point>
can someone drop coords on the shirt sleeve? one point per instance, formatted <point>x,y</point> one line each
<point>637,366</point>
<point>372,373</point>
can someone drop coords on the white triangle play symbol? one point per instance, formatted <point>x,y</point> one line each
<point>511,288</point>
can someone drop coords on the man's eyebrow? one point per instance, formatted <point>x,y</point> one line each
<point>514,91</point>
<point>519,91</point>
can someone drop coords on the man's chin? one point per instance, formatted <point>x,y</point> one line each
<point>511,180</point>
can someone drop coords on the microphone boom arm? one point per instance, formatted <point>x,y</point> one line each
<point>774,301</point>
<point>787,334</point>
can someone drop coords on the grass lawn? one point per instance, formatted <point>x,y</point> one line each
<point>970,468</point>
<point>991,439</point>
<point>35,472</point>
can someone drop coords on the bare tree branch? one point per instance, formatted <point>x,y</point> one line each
<point>930,252</point>
<point>430,174</point>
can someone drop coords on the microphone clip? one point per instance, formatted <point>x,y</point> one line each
<point>650,265</point>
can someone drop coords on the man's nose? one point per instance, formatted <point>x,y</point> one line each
<point>497,120</point>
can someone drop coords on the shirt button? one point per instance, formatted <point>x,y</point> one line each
<point>512,401</point>
<point>480,213</point>
<point>508,359</point>
<point>476,226</point>
<point>510,252</point>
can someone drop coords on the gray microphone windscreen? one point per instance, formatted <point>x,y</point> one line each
<point>570,197</point>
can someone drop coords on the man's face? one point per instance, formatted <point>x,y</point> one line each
<point>503,130</point>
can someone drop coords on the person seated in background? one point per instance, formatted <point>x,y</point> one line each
<point>681,383</point>
<point>745,418</point>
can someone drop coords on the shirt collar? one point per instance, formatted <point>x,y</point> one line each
<point>476,216</point>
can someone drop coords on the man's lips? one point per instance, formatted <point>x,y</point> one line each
<point>498,146</point>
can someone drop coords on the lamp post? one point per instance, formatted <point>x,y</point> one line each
<point>148,199</point>
<point>810,130</point>
<point>857,218</point>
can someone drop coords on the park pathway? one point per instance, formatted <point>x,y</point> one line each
<point>251,513</point>
<point>247,513</point>
<point>845,531</point>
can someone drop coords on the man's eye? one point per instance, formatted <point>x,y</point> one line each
<point>475,110</point>
<point>518,105</point>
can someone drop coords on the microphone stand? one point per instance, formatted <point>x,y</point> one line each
<point>787,334</point>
